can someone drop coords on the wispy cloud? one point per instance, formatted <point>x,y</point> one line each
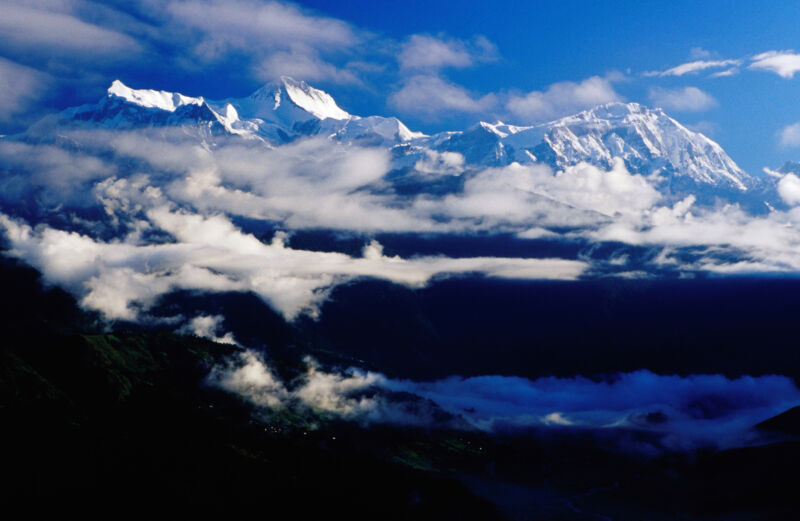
<point>695,67</point>
<point>790,135</point>
<point>427,52</point>
<point>241,24</point>
<point>53,28</point>
<point>783,63</point>
<point>432,97</point>
<point>280,38</point>
<point>170,203</point>
<point>733,71</point>
<point>699,53</point>
<point>305,64</point>
<point>20,87</point>
<point>208,326</point>
<point>686,99</point>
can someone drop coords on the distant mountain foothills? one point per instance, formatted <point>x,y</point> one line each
<point>676,160</point>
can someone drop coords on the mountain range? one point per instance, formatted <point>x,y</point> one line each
<point>675,159</point>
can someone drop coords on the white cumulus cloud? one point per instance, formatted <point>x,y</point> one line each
<point>431,97</point>
<point>427,52</point>
<point>561,99</point>
<point>789,189</point>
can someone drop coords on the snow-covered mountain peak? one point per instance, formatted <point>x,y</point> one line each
<point>316,102</point>
<point>649,141</point>
<point>157,99</point>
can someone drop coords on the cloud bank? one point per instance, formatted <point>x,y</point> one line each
<point>682,413</point>
<point>122,278</point>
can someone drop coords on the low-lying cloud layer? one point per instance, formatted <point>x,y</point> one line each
<point>120,278</point>
<point>681,413</point>
<point>134,215</point>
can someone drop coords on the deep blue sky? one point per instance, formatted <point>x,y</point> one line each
<point>59,54</point>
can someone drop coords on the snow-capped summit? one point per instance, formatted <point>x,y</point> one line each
<point>286,109</point>
<point>289,101</point>
<point>315,101</point>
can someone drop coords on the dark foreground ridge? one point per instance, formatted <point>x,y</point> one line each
<point>117,422</point>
